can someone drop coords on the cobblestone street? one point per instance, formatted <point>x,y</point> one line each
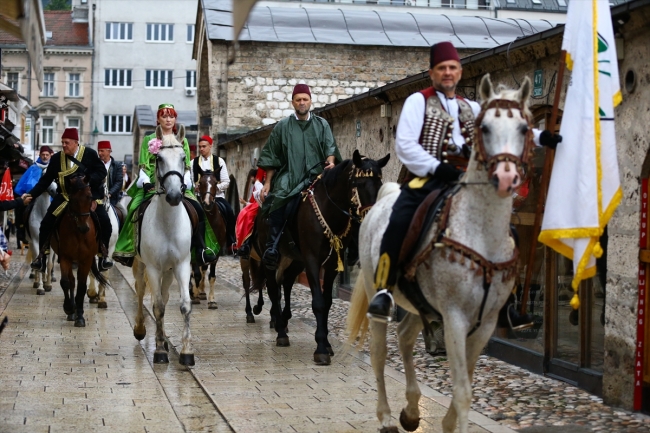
<point>59,378</point>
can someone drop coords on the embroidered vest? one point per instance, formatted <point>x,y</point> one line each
<point>436,135</point>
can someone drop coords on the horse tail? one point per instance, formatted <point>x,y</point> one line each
<point>357,323</point>
<point>98,275</point>
<point>387,189</point>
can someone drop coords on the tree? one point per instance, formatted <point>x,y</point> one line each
<point>58,5</point>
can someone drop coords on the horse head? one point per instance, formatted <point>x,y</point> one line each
<point>504,138</point>
<point>170,165</point>
<point>366,178</point>
<point>207,188</point>
<point>80,200</point>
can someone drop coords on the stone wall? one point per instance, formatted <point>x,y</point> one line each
<point>260,82</point>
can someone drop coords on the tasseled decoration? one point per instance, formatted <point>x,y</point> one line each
<point>443,253</point>
<point>462,259</point>
<point>452,256</point>
<point>472,265</point>
<point>509,112</point>
<point>497,112</point>
<point>575,301</point>
<point>479,271</point>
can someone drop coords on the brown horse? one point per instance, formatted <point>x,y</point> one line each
<point>322,227</point>
<point>76,240</point>
<point>207,190</point>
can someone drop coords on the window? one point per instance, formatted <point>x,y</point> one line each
<point>561,3</point>
<point>190,33</point>
<point>453,3</point>
<point>74,122</point>
<point>73,85</point>
<point>190,79</point>
<point>12,80</point>
<point>119,32</point>
<point>160,32</point>
<point>48,84</point>
<point>47,131</point>
<point>117,124</point>
<point>156,79</point>
<point>117,77</point>
<point>537,2</point>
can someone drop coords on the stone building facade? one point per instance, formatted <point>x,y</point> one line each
<point>598,355</point>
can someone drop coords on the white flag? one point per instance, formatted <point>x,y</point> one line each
<point>585,188</point>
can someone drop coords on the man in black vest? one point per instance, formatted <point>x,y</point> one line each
<point>74,159</point>
<point>114,170</point>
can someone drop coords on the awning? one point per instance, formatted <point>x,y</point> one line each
<point>24,19</point>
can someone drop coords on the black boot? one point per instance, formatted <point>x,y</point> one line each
<point>271,256</point>
<point>203,255</point>
<point>380,306</point>
<point>40,262</point>
<point>105,264</point>
<point>244,250</point>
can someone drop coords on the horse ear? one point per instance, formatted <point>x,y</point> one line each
<point>356,158</point>
<point>382,162</point>
<point>524,91</point>
<point>159,132</point>
<point>181,133</point>
<point>485,88</point>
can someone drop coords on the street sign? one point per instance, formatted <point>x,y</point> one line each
<point>538,83</point>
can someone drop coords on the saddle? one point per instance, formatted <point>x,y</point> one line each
<point>120,214</point>
<point>139,213</point>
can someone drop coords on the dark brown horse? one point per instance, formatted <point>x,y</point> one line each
<point>338,201</point>
<point>76,240</point>
<point>207,190</point>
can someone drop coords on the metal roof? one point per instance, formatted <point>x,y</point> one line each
<point>346,24</point>
<point>144,115</point>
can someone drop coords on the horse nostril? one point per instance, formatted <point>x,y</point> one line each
<point>515,180</point>
<point>495,181</point>
<point>84,228</point>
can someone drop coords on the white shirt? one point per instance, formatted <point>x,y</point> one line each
<point>257,189</point>
<point>224,179</point>
<point>107,165</point>
<point>409,128</point>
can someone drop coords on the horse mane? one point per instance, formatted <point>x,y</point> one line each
<point>331,176</point>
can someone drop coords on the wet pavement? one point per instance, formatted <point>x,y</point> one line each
<point>55,377</point>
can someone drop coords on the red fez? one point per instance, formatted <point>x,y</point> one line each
<point>72,133</point>
<point>441,52</point>
<point>46,149</point>
<point>104,145</point>
<point>206,138</point>
<point>301,88</point>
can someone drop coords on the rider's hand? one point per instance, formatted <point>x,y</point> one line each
<point>148,187</point>
<point>265,191</point>
<point>447,172</point>
<point>328,165</point>
<point>549,139</point>
<point>27,199</point>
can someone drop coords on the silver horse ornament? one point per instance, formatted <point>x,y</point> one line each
<point>466,264</point>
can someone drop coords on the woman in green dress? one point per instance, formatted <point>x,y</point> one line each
<point>204,242</point>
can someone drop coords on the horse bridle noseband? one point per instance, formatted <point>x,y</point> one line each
<point>170,173</point>
<point>490,162</point>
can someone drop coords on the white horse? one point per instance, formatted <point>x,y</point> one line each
<point>469,263</point>
<point>165,247</point>
<point>41,203</point>
<point>99,296</point>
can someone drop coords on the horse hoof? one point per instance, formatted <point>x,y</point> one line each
<point>80,322</point>
<point>160,358</point>
<point>272,324</point>
<point>330,351</point>
<point>408,424</point>
<point>186,359</point>
<point>48,288</point>
<point>212,306</point>
<point>70,317</point>
<point>250,319</point>
<point>31,275</point>
<point>166,346</point>
<point>257,310</point>
<point>282,342</point>
<point>139,336</point>
<point>40,291</point>
<point>35,285</point>
<point>54,279</point>
<point>196,301</point>
<point>322,359</point>
<point>102,304</point>
<point>391,429</point>
<point>203,296</point>
<point>93,300</point>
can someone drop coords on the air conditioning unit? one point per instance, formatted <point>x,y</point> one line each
<point>190,92</point>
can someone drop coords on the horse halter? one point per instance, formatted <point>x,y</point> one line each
<point>77,215</point>
<point>207,192</point>
<point>170,173</point>
<point>490,162</point>
<point>355,174</point>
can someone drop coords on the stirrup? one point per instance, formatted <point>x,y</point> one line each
<point>203,255</point>
<point>380,317</point>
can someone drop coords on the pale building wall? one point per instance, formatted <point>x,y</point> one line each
<point>140,55</point>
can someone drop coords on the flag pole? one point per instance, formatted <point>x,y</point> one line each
<point>546,176</point>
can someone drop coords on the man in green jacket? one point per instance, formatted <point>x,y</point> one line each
<point>292,153</point>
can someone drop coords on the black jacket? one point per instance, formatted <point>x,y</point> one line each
<point>114,180</point>
<point>11,204</point>
<point>91,165</point>
<point>198,171</point>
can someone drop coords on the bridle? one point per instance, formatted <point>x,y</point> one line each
<point>208,192</point>
<point>490,162</point>
<point>169,173</point>
<point>76,216</point>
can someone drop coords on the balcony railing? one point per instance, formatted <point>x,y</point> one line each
<point>459,4</point>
